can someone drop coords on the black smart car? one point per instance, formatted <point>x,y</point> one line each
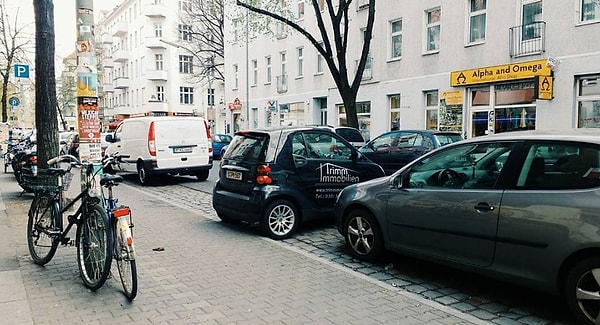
<point>281,177</point>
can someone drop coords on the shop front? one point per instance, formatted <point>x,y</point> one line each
<point>503,98</point>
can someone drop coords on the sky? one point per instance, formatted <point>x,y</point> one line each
<point>64,20</point>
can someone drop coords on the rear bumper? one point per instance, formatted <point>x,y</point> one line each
<point>190,170</point>
<point>237,206</point>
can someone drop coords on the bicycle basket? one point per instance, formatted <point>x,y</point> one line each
<point>40,182</point>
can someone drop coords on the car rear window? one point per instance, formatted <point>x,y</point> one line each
<point>350,135</point>
<point>248,147</point>
<point>445,139</point>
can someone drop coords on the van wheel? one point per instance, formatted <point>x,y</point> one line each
<point>280,219</point>
<point>202,175</point>
<point>143,174</point>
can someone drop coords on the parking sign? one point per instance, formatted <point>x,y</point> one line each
<point>21,71</point>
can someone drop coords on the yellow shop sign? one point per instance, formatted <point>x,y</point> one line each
<point>507,72</point>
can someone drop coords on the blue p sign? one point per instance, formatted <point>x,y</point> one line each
<point>21,71</point>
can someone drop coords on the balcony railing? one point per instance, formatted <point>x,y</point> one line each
<point>282,83</point>
<point>122,83</point>
<point>155,11</point>
<point>528,39</point>
<point>120,29</point>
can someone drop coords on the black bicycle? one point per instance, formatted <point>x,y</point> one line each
<point>45,231</point>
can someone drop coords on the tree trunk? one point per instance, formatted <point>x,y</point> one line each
<point>45,91</point>
<point>4,99</point>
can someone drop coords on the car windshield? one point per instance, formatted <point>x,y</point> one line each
<point>445,139</point>
<point>248,147</point>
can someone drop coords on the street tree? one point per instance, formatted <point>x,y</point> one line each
<point>45,91</point>
<point>203,38</point>
<point>333,23</point>
<point>14,42</point>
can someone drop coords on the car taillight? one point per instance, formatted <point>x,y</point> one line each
<point>208,136</point>
<point>263,177</point>
<point>151,140</point>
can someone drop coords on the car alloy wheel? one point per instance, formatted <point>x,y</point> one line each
<point>582,290</point>
<point>363,235</point>
<point>280,219</point>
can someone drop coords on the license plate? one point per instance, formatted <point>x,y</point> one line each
<point>232,174</point>
<point>182,149</point>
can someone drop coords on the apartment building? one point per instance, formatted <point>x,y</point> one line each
<point>147,67</point>
<point>473,66</point>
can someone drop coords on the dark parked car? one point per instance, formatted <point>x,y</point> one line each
<point>393,150</point>
<point>523,206</point>
<point>281,177</point>
<point>218,142</point>
<point>351,134</point>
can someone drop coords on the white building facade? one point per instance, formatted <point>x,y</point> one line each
<point>147,67</point>
<point>473,66</point>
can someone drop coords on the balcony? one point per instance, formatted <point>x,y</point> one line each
<point>527,39</point>
<point>121,56</point>
<point>122,83</point>
<point>154,43</point>
<point>156,75</point>
<point>155,11</point>
<point>106,39</point>
<point>108,88</point>
<point>107,62</point>
<point>120,29</point>
<point>156,106</point>
<point>282,83</point>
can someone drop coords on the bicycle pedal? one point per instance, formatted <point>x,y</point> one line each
<point>53,232</point>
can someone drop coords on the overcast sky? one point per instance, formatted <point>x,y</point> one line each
<point>64,20</point>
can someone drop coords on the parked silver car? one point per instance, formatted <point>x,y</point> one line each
<point>523,206</point>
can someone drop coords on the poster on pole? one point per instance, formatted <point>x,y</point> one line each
<point>89,129</point>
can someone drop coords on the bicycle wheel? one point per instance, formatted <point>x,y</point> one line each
<point>94,245</point>
<point>42,215</point>
<point>125,260</point>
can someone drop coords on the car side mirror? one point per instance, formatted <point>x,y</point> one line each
<point>396,182</point>
<point>109,138</point>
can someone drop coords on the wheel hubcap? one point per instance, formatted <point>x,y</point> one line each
<point>360,236</point>
<point>588,295</point>
<point>281,220</point>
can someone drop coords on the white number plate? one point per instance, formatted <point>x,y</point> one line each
<point>232,174</point>
<point>182,149</point>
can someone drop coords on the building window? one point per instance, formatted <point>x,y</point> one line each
<point>186,64</point>
<point>532,13</point>
<point>394,112</point>
<point>236,76</point>
<point>211,97</point>
<point>268,69</point>
<point>185,5</point>
<point>185,32</point>
<point>590,10</point>
<point>160,93</point>
<point>300,52</point>
<point>363,112</point>
<point>477,16</point>
<point>254,72</point>
<point>300,9</point>
<point>186,95</point>
<point>434,23</point>
<point>282,58</point>
<point>158,59</point>
<point>320,60</point>
<point>588,101</point>
<point>396,39</point>
<point>431,109</point>
<point>158,30</point>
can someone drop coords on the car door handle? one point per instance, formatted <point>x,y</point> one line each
<point>482,207</point>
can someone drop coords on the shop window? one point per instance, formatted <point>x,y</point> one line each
<point>514,119</point>
<point>394,112</point>
<point>588,102</point>
<point>480,96</point>
<point>292,114</point>
<point>363,112</point>
<point>431,109</point>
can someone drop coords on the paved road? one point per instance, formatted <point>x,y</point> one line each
<point>481,297</point>
<point>207,273</point>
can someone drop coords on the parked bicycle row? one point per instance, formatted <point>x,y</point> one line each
<point>104,228</point>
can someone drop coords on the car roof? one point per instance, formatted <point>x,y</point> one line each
<point>585,135</point>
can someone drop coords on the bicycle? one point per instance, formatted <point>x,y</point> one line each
<point>95,242</point>
<point>122,225</point>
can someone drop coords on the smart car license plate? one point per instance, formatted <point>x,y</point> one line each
<point>182,149</point>
<point>232,174</point>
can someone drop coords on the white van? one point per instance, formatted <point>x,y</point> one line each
<point>176,145</point>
